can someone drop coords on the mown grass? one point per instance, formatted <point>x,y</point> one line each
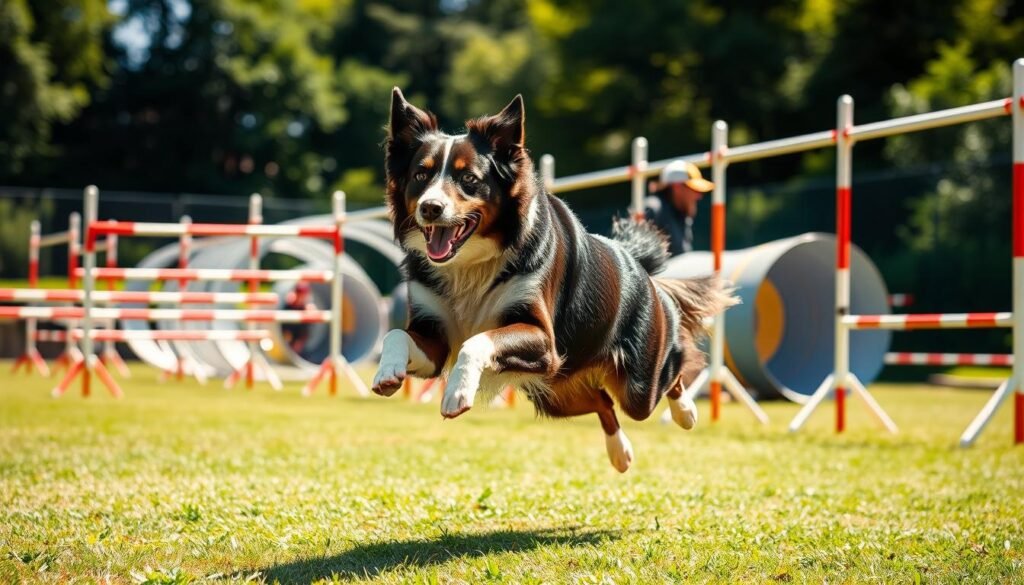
<point>178,483</point>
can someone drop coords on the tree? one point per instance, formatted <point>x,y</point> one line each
<point>51,59</point>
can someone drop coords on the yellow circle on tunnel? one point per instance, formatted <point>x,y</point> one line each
<point>769,321</point>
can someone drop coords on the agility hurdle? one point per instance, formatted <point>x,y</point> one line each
<point>31,359</point>
<point>842,379</point>
<point>87,364</point>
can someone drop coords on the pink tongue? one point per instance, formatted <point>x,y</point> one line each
<point>440,244</point>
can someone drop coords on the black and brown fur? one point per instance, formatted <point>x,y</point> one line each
<point>575,320</point>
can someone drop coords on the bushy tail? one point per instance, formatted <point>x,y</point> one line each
<point>644,242</point>
<point>698,299</point>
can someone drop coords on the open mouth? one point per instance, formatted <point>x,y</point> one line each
<point>443,241</point>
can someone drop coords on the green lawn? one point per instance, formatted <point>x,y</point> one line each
<point>179,483</point>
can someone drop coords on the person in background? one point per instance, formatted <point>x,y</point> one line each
<point>674,203</point>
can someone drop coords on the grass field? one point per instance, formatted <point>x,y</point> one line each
<point>178,483</point>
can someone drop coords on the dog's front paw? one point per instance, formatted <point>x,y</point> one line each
<point>389,379</point>
<point>455,403</point>
<point>458,393</point>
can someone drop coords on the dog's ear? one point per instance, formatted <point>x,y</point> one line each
<point>406,131</point>
<point>505,131</point>
<point>408,123</point>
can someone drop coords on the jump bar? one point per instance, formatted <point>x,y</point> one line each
<point>132,228</point>
<point>192,298</point>
<point>929,321</point>
<point>216,274</point>
<point>950,117</point>
<point>174,335</point>
<point>948,359</point>
<point>254,316</point>
<point>622,174</point>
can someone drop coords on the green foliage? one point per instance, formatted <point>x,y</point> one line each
<point>15,221</point>
<point>51,60</point>
<point>960,225</point>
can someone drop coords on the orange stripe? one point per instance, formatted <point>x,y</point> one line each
<point>718,233</point>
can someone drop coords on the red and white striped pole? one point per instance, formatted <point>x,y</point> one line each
<point>184,253</point>
<point>639,176</point>
<point>255,218</point>
<point>1015,385</point>
<point>88,363</point>
<point>719,142</point>
<point>68,357</point>
<point>844,169</point>
<point>33,282</point>
<point>840,377</point>
<point>74,229</point>
<point>1018,251</point>
<point>109,355</point>
<point>31,358</point>
<point>337,291</point>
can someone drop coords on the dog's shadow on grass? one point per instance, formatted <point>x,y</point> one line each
<point>372,559</point>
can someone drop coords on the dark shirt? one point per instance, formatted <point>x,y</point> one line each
<point>673,223</point>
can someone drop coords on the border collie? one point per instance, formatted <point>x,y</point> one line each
<point>506,287</point>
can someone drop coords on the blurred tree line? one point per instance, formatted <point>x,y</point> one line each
<point>290,98</point>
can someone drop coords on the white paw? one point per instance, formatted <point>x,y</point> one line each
<point>620,450</point>
<point>464,381</point>
<point>459,393</point>
<point>684,411</point>
<point>394,360</point>
<point>455,403</point>
<point>389,378</point>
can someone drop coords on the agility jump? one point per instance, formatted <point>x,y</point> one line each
<point>85,363</point>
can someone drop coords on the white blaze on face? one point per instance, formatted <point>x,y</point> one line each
<point>435,191</point>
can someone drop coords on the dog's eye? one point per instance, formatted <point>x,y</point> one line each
<point>420,176</point>
<point>468,179</point>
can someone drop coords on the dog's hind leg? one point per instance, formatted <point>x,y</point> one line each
<point>620,450</point>
<point>684,411</point>
<point>581,401</point>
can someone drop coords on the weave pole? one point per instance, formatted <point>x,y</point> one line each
<point>88,363</point>
<point>32,359</point>
<point>841,378</point>
<point>335,362</point>
<point>1015,384</point>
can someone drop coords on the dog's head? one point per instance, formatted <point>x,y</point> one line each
<point>457,199</point>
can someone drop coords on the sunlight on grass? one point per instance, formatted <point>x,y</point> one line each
<point>180,483</point>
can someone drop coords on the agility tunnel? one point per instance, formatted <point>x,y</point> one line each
<point>780,339</point>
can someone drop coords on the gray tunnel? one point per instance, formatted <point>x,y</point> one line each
<point>780,339</point>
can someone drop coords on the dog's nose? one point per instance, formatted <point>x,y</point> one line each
<point>431,209</point>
